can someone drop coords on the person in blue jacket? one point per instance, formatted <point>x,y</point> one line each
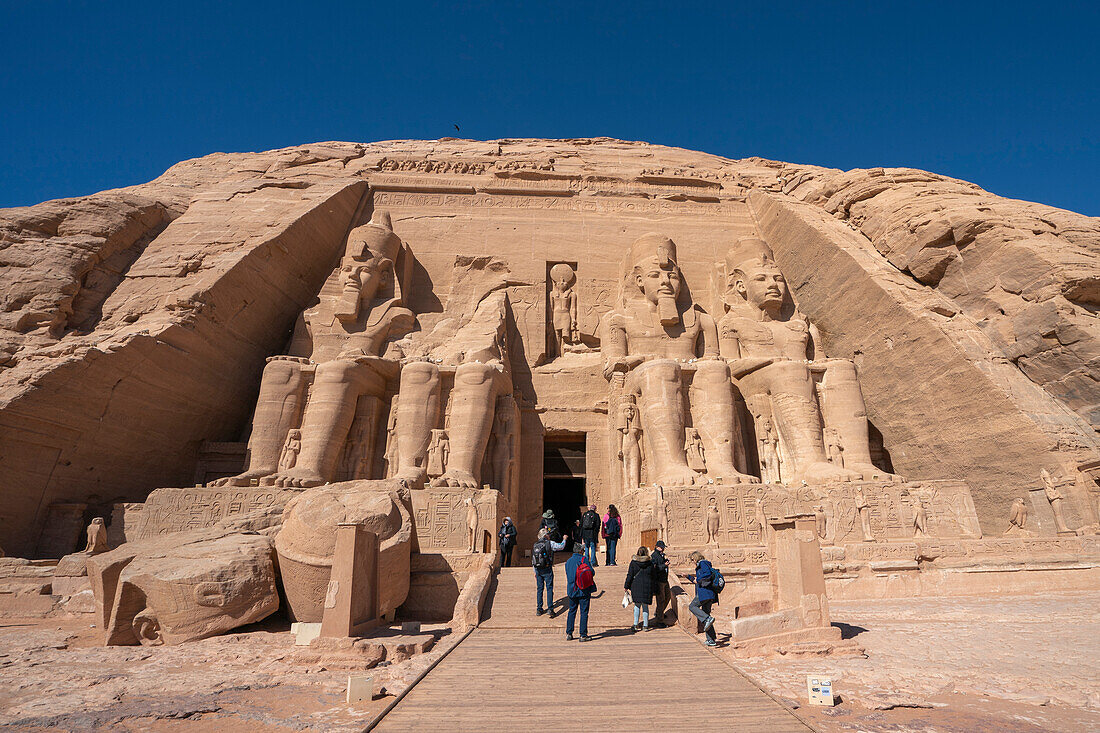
<point>578,599</point>
<point>704,596</point>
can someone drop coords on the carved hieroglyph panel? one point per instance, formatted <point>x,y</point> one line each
<point>439,517</point>
<point>179,510</point>
<point>891,506</point>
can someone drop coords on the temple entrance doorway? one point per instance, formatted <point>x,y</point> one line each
<point>563,473</point>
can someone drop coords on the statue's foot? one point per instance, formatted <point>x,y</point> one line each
<point>871,472</point>
<point>414,477</point>
<point>294,479</point>
<point>680,476</point>
<point>456,479</point>
<point>825,472</point>
<point>731,475</point>
<point>242,479</point>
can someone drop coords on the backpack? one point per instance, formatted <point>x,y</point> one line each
<point>584,578</point>
<point>717,580</point>
<point>612,528</point>
<point>542,556</point>
<point>590,521</point>
<point>552,528</point>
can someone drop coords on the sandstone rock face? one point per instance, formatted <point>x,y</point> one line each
<point>187,586</point>
<point>449,314</point>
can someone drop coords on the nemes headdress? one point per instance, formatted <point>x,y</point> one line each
<point>748,249</point>
<point>653,245</point>
<point>375,239</point>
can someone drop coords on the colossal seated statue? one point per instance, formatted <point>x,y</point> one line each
<point>345,357</point>
<point>339,346</point>
<point>772,356</point>
<point>647,342</point>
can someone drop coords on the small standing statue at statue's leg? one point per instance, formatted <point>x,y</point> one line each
<point>473,522</point>
<point>714,521</point>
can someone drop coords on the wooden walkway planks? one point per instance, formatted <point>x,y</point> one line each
<point>517,672</point>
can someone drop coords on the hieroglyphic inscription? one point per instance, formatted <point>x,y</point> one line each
<point>595,205</point>
<point>440,517</point>
<point>179,510</point>
<point>892,506</point>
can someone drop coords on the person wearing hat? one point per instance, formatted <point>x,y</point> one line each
<point>639,582</point>
<point>507,537</point>
<point>662,591</point>
<point>550,522</point>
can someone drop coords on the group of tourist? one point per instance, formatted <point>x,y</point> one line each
<point>646,576</point>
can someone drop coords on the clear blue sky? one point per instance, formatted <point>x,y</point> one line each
<point>100,95</point>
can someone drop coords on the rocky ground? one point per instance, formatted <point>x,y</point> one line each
<point>940,664</point>
<point>57,677</point>
<point>1027,663</point>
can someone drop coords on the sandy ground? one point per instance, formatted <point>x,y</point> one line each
<point>960,664</point>
<point>1028,663</point>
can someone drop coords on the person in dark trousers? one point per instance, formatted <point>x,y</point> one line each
<point>507,540</point>
<point>550,522</point>
<point>704,596</point>
<point>542,560</point>
<point>612,531</point>
<point>578,599</point>
<point>661,590</point>
<point>639,581</point>
<point>590,533</point>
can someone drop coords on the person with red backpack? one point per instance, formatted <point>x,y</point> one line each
<point>581,579</point>
<point>611,532</point>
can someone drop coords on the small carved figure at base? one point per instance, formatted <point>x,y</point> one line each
<point>713,522</point>
<point>1017,520</point>
<point>1054,496</point>
<point>97,537</point>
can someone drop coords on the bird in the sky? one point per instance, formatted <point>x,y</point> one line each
<point>457,129</point>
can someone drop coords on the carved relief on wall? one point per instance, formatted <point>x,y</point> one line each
<point>562,310</point>
<point>443,519</point>
<point>846,513</point>
<point>179,510</point>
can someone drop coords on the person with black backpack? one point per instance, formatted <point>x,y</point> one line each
<point>611,532</point>
<point>590,533</point>
<point>542,560</point>
<point>708,584</point>
<point>550,522</point>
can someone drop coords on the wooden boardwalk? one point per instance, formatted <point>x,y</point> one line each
<point>516,672</point>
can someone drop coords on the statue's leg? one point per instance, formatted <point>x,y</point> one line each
<point>797,419</point>
<point>472,406</point>
<point>278,408</point>
<point>417,415</point>
<point>713,409</point>
<point>843,408</point>
<point>337,387</point>
<point>659,387</point>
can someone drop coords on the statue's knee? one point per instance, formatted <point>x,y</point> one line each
<point>337,371</point>
<point>282,372</point>
<point>419,373</point>
<point>664,371</point>
<point>711,371</point>
<point>474,375</point>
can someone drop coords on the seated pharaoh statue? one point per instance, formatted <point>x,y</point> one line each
<point>320,408</point>
<point>789,387</point>
<point>655,334</point>
<point>343,346</point>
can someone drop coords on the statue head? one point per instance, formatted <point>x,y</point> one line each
<point>657,276</point>
<point>753,277</point>
<point>370,257</point>
<point>97,522</point>
<point>627,412</point>
<point>562,276</point>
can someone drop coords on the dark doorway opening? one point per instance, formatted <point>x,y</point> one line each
<point>563,474</point>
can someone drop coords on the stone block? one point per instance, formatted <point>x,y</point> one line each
<point>360,688</point>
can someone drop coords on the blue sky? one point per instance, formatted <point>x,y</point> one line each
<point>100,95</point>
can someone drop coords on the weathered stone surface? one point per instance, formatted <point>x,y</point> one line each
<point>189,585</point>
<point>306,543</point>
<point>433,313</point>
